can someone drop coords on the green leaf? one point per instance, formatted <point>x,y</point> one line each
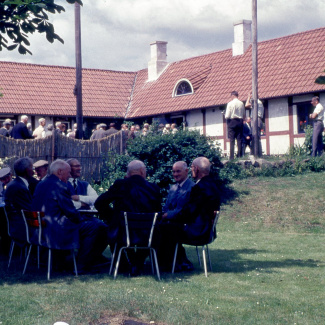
<point>320,80</point>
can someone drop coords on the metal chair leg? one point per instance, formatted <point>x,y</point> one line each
<point>112,260</point>
<point>27,259</point>
<point>204,261</point>
<point>156,262</point>
<point>118,262</point>
<point>175,257</point>
<point>151,261</point>
<point>207,246</point>
<point>12,245</point>
<point>49,265</point>
<point>74,263</point>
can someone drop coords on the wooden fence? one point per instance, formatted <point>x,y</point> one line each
<point>90,153</point>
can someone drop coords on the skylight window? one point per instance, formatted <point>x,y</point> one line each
<point>183,87</point>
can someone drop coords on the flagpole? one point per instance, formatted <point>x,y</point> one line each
<point>78,86</point>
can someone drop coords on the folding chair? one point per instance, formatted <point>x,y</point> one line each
<point>138,230</point>
<point>35,225</point>
<point>17,233</point>
<point>204,244</point>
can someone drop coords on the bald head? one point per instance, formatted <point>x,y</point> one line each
<point>136,167</point>
<point>200,167</point>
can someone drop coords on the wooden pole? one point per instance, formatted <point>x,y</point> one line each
<point>255,79</point>
<point>78,87</point>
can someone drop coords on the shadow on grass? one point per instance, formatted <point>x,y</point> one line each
<point>223,261</point>
<point>231,261</point>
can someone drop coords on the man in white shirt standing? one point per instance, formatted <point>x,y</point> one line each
<point>39,132</point>
<point>318,116</point>
<point>82,194</point>
<point>234,115</point>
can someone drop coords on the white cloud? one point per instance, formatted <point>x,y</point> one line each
<point>116,34</point>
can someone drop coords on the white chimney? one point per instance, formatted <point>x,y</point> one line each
<point>242,36</point>
<point>158,59</point>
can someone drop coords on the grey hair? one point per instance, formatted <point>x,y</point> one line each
<point>42,119</point>
<point>58,164</point>
<point>50,127</point>
<point>24,117</point>
<point>21,164</point>
<point>135,166</point>
<point>70,160</point>
<point>183,164</point>
<point>57,124</point>
<point>203,164</point>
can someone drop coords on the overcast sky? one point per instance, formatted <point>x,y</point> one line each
<point>116,34</point>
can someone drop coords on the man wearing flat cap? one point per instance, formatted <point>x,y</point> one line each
<point>41,169</point>
<point>5,130</point>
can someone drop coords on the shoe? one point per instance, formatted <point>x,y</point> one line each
<point>187,266</point>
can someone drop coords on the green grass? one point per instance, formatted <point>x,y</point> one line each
<point>268,268</point>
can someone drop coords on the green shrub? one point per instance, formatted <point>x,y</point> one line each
<point>159,153</point>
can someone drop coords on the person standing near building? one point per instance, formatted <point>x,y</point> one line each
<point>5,130</point>
<point>317,116</point>
<point>234,116</point>
<point>20,131</point>
<point>39,132</point>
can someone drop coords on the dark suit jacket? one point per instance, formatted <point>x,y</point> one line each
<point>110,131</point>
<point>20,131</point>
<point>198,213</point>
<point>176,200</point>
<point>247,132</point>
<point>133,194</point>
<point>98,134</point>
<point>17,198</point>
<point>52,197</point>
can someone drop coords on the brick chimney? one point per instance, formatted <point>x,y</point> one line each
<point>158,59</point>
<point>242,37</point>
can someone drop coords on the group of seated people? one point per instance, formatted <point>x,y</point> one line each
<point>60,194</point>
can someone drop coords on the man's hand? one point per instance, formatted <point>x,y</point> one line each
<point>75,197</point>
<point>164,215</point>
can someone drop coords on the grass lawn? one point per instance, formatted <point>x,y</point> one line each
<point>268,268</point>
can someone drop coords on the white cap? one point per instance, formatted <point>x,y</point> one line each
<point>4,172</point>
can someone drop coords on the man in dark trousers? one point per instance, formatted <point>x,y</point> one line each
<point>247,135</point>
<point>131,194</point>
<point>64,223</point>
<point>234,115</point>
<point>20,131</point>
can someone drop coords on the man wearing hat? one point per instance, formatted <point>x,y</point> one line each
<point>5,130</point>
<point>99,133</point>
<point>5,178</point>
<point>41,168</point>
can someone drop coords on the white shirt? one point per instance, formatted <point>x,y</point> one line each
<point>235,109</point>
<point>89,199</point>
<point>319,110</point>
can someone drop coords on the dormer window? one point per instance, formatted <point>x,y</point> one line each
<point>183,87</point>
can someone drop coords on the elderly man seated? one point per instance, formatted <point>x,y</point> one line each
<point>64,221</point>
<point>197,214</point>
<point>131,194</point>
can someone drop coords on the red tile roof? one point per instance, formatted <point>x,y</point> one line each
<point>48,90</point>
<point>287,66</point>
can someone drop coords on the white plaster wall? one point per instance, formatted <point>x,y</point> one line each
<point>278,115</point>
<point>195,120</point>
<point>279,144</point>
<point>214,122</point>
<point>302,98</point>
<point>298,141</point>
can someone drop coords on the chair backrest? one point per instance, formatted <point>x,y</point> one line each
<point>139,228</point>
<point>34,225</point>
<point>15,224</point>
<point>213,234</point>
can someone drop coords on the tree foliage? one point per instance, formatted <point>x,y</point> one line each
<point>22,17</point>
<point>159,153</point>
